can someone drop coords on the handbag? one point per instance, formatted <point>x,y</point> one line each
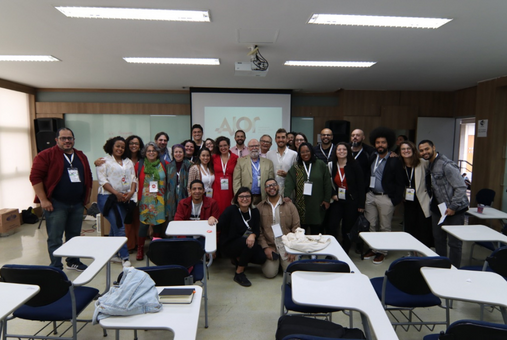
<point>361,225</point>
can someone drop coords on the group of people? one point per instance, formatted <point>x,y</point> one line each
<point>253,193</point>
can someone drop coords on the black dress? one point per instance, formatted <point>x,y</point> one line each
<point>416,224</point>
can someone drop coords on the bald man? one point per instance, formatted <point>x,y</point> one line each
<point>324,150</point>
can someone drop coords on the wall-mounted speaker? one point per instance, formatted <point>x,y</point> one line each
<point>45,132</point>
<point>341,130</point>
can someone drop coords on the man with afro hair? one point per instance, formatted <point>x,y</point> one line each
<point>386,186</point>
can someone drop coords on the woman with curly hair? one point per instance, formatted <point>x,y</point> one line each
<point>203,170</point>
<point>117,185</point>
<point>224,162</point>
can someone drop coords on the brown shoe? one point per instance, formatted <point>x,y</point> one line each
<point>379,259</point>
<point>370,254</point>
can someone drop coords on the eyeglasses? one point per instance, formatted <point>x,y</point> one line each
<point>66,139</point>
<point>151,151</point>
<point>266,141</point>
<point>300,140</point>
<point>254,146</point>
<point>244,197</point>
<point>268,186</point>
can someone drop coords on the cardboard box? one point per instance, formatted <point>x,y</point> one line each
<point>9,221</point>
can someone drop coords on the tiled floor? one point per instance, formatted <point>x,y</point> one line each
<point>235,312</point>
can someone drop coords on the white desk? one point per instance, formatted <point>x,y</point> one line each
<point>344,291</point>
<point>488,214</point>
<point>334,249</point>
<point>100,249</point>
<point>396,240</point>
<point>475,233</point>
<point>13,295</point>
<point>181,319</point>
<point>468,285</point>
<point>195,228</point>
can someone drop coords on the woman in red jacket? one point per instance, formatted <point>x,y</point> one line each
<point>224,163</point>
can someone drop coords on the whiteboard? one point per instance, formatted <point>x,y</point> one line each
<point>92,130</point>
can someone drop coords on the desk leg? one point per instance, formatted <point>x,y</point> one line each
<point>108,276</point>
<point>117,331</point>
<point>366,326</point>
<point>504,315</point>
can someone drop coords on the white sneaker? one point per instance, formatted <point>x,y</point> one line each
<point>126,264</point>
<point>116,259</point>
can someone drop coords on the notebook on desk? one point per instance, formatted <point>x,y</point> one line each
<point>176,295</point>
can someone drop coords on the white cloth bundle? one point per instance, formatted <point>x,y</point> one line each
<point>300,242</point>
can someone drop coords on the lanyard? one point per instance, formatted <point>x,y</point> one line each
<point>377,163</point>
<point>224,166</point>
<point>308,171</point>
<point>358,153</point>
<point>255,166</point>
<point>410,178</point>
<point>249,218</point>
<point>329,154</point>
<point>71,159</point>
<point>340,174</point>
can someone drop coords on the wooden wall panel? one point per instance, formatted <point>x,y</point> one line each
<point>399,117</point>
<point>365,123</point>
<point>465,102</point>
<point>6,84</point>
<point>112,108</point>
<point>489,152</point>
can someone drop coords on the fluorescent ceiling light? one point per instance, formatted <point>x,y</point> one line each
<point>177,61</point>
<point>134,14</point>
<point>379,21</point>
<point>28,58</point>
<point>330,63</point>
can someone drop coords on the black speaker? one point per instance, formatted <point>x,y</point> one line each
<point>341,130</point>
<point>45,132</point>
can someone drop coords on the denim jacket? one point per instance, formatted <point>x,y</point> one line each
<point>447,184</point>
<point>136,294</point>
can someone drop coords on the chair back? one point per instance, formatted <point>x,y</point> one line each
<point>170,275</point>
<point>52,281</point>
<point>473,330</point>
<point>485,196</point>
<point>319,266</point>
<point>405,273</point>
<point>497,261</point>
<point>185,252</point>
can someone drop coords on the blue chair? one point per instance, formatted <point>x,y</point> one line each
<point>57,301</point>
<point>403,289</point>
<point>315,265</point>
<point>295,327</point>
<point>186,252</point>
<point>471,330</point>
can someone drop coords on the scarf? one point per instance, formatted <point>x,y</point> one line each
<point>150,168</point>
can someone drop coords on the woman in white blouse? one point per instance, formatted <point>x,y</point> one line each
<point>203,170</point>
<point>117,185</point>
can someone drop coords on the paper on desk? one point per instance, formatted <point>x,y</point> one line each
<point>443,208</point>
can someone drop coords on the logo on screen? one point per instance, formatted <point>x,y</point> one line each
<point>243,123</point>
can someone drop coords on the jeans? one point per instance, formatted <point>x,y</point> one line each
<point>111,217</point>
<point>442,238</point>
<point>66,218</point>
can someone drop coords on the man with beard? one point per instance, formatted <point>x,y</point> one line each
<point>239,149</point>
<point>197,136</point>
<point>283,157</point>
<point>162,139</point>
<point>386,186</point>
<point>361,153</point>
<point>445,185</point>
<point>277,218</point>
<point>251,171</point>
<point>324,150</point>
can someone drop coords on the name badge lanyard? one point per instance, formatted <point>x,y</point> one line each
<point>377,164</point>
<point>249,218</point>
<point>308,171</point>
<point>69,160</point>
<point>358,153</point>
<point>73,172</point>
<point>329,154</point>
<point>341,178</point>
<point>258,171</point>
<point>224,166</point>
<point>224,181</point>
<point>207,173</point>
<point>410,178</point>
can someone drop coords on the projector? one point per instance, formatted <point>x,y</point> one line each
<point>247,68</point>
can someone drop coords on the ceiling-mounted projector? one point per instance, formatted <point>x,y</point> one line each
<point>249,69</point>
